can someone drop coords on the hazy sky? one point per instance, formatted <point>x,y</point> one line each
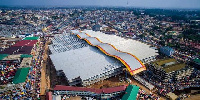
<point>131,3</point>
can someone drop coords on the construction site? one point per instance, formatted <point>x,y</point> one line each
<point>69,45</point>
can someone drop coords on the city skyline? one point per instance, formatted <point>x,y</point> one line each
<point>186,4</point>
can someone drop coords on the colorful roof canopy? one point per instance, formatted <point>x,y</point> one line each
<point>20,75</point>
<point>17,50</point>
<point>25,56</point>
<point>26,43</point>
<point>197,60</point>
<point>21,47</point>
<point>2,56</point>
<point>131,93</point>
<point>31,38</point>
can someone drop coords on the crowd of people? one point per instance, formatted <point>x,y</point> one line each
<point>163,88</point>
<point>7,71</point>
<point>28,90</point>
<point>142,95</point>
<point>19,91</point>
<point>37,65</point>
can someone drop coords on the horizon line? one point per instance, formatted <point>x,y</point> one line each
<point>109,6</point>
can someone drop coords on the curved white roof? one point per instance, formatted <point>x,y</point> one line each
<point>80,59</point>
<point>134,47</point>
<point>133,64</point>
<point>84,62</point>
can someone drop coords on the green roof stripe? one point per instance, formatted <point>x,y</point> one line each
<point>131,93</point>
<point>197,60</point>
<point>20,75</point>
<point>31,38</point>
<point>2,56</point>
<point>25,56</point>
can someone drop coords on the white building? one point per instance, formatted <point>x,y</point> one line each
<point>82,63</point>
<point>139,49</point>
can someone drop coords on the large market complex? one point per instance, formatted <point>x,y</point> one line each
<point>81,59</point>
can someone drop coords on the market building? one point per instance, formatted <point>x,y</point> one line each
<point>170,69</point>
<point>104,93</point>
<point>75,57</point>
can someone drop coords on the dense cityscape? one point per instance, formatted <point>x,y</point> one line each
<point>100,53</point>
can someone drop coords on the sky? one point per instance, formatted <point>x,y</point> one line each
<point>125,3</point>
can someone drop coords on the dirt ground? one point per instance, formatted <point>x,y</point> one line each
<point>114,82</point>
<point>194,97</point>
<point>45,81</point>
